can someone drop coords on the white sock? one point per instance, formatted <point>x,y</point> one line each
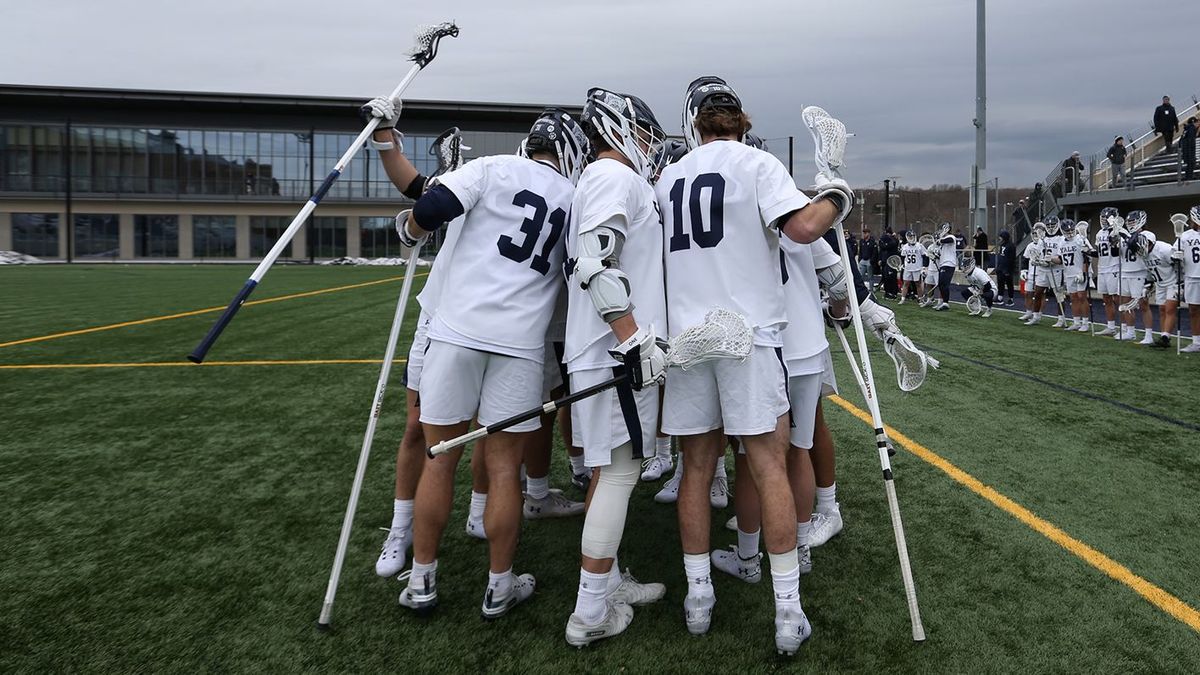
<point>423,575</point>
<point>785,577</point>
<point>827,498</point>
<point>500,583</point>
<point>803,532</point>
<point>748,544</point>
<point>720,472</point>
<point>577,464</point>
<point>1111,324</point>
<point>478,504</point>
<point>1037,316</point>
<point>537,488</point>
<point>402,514</point>
<point>699,574</point>
<point>589,600</point>
<point>662,448</point>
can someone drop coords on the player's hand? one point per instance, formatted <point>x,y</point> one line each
<point>836,314</point>
<point>837,191</point>
<point>877,318</point>
<point>1177,255</point>
<point>644,358</point>
<point>1024,275</point>
<point>387,110</point>
<point>407,239</point>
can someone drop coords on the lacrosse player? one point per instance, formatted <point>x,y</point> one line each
<point>1052,278</point>
<point>723,205</point>
<point>930,280</point>
<point>1108,269</point>
<point>911,254</point>
<point>496,295</point>
<point>1188,247</point>
<point>946,243</point>
<point>1133,278</point>
<point>1032,255</point>
<point>1072,251</point>
<point>1161,261</point>
<point>616,308</point>
<point>978,284</point>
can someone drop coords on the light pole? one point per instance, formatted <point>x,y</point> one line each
<point>980,121</point>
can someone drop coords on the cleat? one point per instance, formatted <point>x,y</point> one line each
<point>1148,339</point>
<point>731,524</point>
<point>825,526</point>
<point>475,528</point>
<point>395,552</point>
<point>1162,342</point>
<point>733,564</point>
<point>1107,331</point>
<point>1010,302</point>
<point>804,555</point>
<point>902,300</point>
<point>1027,315</point>
<point>519,591</point>
<point>669,493</point>
<point>943,307</point>
<point>616,619</point>
<point>634,593</point>
<point>986,313</point>
<point>1060,323</point>
<point>553,505</point>
<point>421,598</point>
<point>718,494</point>
<point>1032,321</point>
<point>697,613</point>
<point>1192,348</point>
<point>655,467</point>
<point>791,629</point>
<point>582,480</point>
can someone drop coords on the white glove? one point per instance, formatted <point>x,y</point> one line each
<point>1077,280</point>
<point>1176,255</point>
<point>407,239</point>
<point>830,319</point>
<point>1024,275</point>
<point>644,357</point>
<point>877,318</point>
<point>387,110</point>
<point>836,190</point>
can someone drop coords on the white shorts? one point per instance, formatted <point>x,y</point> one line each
<point>1109,283</point>
<point>931,277</point>
<point>747,398</point>
<point>1191,291</point>
<point>416,353</point>
<point>1077,284</point>
<point>804,392</point>
<point>828,378</point>
<point>1166,292</point>
<point>600,423</point>
<point>1132,285</point>
<point>552,369</point>
<point>466,383</point>
<point>1048,278</point>
<point>912,276</point>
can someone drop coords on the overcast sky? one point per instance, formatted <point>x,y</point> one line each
<point>1063,75</point>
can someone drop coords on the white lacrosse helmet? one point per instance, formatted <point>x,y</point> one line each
<point>628,126</point>
<point>1135,220</point>
<point>705,91</point>
<point>910,236</point>
<point>1106,215</point>
<point>1146,241</point>
<point>943,230</point>
<point>966,264</point>
<point>1053,227</point>
<point>1039,231</point>
<point>556,133</point>
<point>1195,214</point>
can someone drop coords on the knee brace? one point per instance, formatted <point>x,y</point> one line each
<point>605,520</point>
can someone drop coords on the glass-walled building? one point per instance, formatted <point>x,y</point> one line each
<point>94,174</point>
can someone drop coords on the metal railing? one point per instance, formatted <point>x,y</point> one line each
<point>1138,153</point>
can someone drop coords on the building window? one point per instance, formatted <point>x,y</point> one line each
<point>214,236</point>
<point>379,238</point>
<point>265,231</point>
<point>327,237</point>
<point>97,235</point>
<point>156,236</point>
<point>35,234</point>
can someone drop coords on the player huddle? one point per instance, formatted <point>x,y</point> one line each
<point>568,264</point>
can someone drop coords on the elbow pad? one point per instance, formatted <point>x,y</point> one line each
<point>596,272</point>
<point>416,188</point>
<point>436,207</point>
<point>833,281</point>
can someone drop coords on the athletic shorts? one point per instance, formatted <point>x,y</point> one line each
<point>1048,278</point>
<point>553,370</point>
<point>1191,292</point>
<point>1132,285</point>
<point>1166,292</point>
<point>1077,284</point>
<point>463,383</point>
<point>931,277</point>
<point>912,276</point>
<point>416,353</point>
<point>804,392</point>
<point>1109,283</point>
<point>612,418</point>
<point>828,378</point>
<point>747,397</point>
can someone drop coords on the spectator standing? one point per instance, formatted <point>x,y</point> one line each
<point>960,243</point>
<point>1035,202</point>
<point>1072,173</point>
<point>980,244</point>
<point>1187,148</point>
<point>1165,121</point>
<point>1021,223</point>
<point>868,254</point>
<point>1006,258</point>
<point>889,245</point>
<point>1116,155</point>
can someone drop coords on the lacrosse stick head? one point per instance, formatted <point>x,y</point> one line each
<point>1180,223</point>
<point>925,240</point>
<point>448,149</point>
<point>829,136</point>
<point>755,141</point>
<point>723,335</point>
<point>1195,215</point>
<point>895,263</point>
<point>557,134</point>
<point>1135,221</point>
<point>426,39</point>
<point>911,363</point>
<point>943,230</point>
<point>1081,228</point>
<point>974,305</point>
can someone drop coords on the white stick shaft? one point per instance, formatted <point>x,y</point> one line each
<point>364,454</point>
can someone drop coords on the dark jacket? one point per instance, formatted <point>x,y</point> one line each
<point>851,246</point>
<point>889,245</point>
<point>1165,119</point>
<point>1116,154</point>
<point>980,241</point>
<point>868,250</point>
<point>1187,142</point>
<point>1072,163</point>
<point>1006,254</point>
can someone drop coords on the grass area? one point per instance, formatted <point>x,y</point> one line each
<point>172,519</point>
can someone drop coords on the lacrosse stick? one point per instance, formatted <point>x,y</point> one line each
<point>723,335</point>
<point>829,137</point>
<point>446,148</point>
<point>862,385</point>
<point>1180,222</point>
<point>974,303</point>
<point>424,50</point>
<point>894,262</point>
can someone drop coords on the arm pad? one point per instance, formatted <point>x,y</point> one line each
<point>833,280</point>
<point>436,207</point>
<point>596,272</point>
<point>416,188</point>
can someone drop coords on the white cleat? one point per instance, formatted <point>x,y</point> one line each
<point>475,528</point>
<point>655,467</point>
<point>617,618</point>
<point>553,505</point>
<point>731,563</point>
<point>634,593</point>
<point>804,557</point>
<point>395,552</point>
<point>1107,331</point>
<point>731,524</point>
<point>420,595</point>
<point>669,494</point>
<point>986,313</point>
<point>697,612</point>
<point>825,526</point>
<point>519,591</point>
<point>1027,315</point>
<point>1032,321</point>
<point>791,629</point>
<point>718,494</point>
<point>1148,339</point>
<point>1192,348</point>
<point>1060,323</point>
<point>942,307</point>
<point>902,299</point>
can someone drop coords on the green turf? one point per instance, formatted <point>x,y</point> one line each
<point>175,519</point>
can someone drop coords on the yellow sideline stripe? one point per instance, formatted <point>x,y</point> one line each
<point>1153,594</point>
<point>196,312</point>
<point>189,364</point>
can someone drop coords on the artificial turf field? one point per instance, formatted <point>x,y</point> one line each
<point>182,518</point>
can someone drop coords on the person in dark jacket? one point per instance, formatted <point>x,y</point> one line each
<point>1021,223</point>
<point>1116,155</point>
<point>1006,258</point>
<point>1187,148</point>
<point>1165,121</point>
<point>868,258</point>
<point>889,245</point>
<point>1072,171</point>
<point>980,243</point>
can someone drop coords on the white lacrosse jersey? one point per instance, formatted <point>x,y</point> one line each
<point>911,254</point>
<point>1053,247</point>
<point>613,194</point>
<point>947,256</point>
<point>1071,251</point>
<point>431,293</point>
<point>719,204</point>
<point>804,337</point>
<point>978,278</point>
<point>1160,263</point>
<point>498,280</point>
<point>1189,243</point>
<point>1132,262</point>
<point>1108,253</point>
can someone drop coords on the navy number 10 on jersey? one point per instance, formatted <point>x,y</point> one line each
<point>692,225</point>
